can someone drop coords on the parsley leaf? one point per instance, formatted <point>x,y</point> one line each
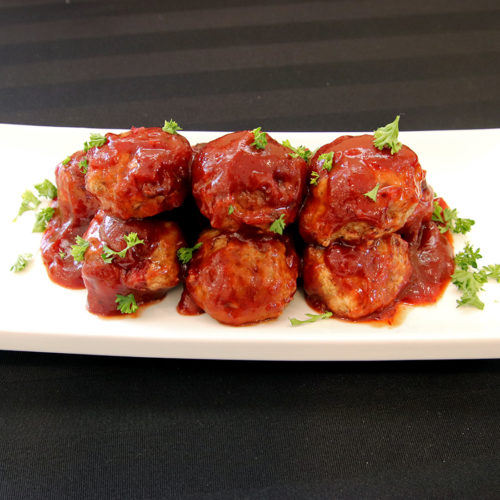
<point>78,250</point>
<point>21,262</point>
<point>314,178</point>
<point>126,304</point>
<point>62,254</point>
<point>449,220</point>
<point>96,140</point>
<point>387,137</point>
<point>327,160</point>
<point>230,209</point>
<point>299,152</point>
<point>30,202</point>
<point>278,226</point>
<point>66,160</point>
<point>467,257</point>
<point>131,240</point>
<point>260,138</point>
<point>493,272</point>
<point>46,189</point>
<point>311,318</point>
<point>42,219</point>
<point>373,193</point>
<point>185,254</point>
<point>171,127</point>
<point>83,165</point>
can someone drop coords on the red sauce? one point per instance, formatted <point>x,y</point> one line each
<point>187,306</point>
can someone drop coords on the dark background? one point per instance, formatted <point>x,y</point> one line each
<point>103,427</point>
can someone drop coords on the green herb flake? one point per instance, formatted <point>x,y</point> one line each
<point>387,137</point>
<point>314,178</point>
<point>42,219</point>
<point>278,226</point>
<point>21,262</point>
<point>230,210</point>
<point>126,304</point>
<point>29,202</point>
<point>131,240</point>
<point>312,318</point>
<point>327,160</point>
<point>96,140</point>
<point>448,220</point>
<point>373,193</point>
<point>260,138</point>
<point>83,165</point>
<point>171,127</point>
<point>78,250</point>
<point>298,152</point>
<point>46,189</point>
<point>185,254</point>
<point>66,160</point>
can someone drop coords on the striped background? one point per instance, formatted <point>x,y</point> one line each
<point>219,65</point>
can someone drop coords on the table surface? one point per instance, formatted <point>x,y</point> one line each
<point>107,427</point>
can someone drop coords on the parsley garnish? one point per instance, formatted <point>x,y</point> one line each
<point>260,138</point>
<point>449,221</point>
<point>46,189</point>
<point>78,250</point>
<point>230,209</point>
<point>314,178</point>
<point>62,254</point>
<point>66,160</point>
<point>42,219</point>
<point>131,240</point>
<point>373,193</point>
<point>171,127</point>
<point>185,254</point>
<point>327,160</point>
<point>470,281</point>
<point>311,318</point>
<point>83,165</point>
<point>299,152</point>
<point>278,225</point>
<point>96,140</point>
<point>21,262</point>
<point>387,137</point>
<point>30,202</point>
<point>126,304</point>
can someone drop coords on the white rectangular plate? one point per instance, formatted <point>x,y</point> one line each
<point>37,315</point>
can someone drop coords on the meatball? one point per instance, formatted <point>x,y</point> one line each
<point>139,173</point>
<point>242,278</point>
<point>354,281</point>
<point>365,194</point>
<point>73,198</point>
<point>236,184</point>
<point>422,214</point>
<point>55,247</point>
<point>147,270</point>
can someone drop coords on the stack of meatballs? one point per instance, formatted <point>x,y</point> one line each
<point>359,210</point>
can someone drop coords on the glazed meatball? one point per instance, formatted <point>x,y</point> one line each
<point>139,173</point>
<point>422,214</point>
<point>73,198</point>
<point>147,270</point>
<point>338,206</point>
<point>242,278</point>
<point>354,281</point>
<point>237,184</point>
<point>55,247</point>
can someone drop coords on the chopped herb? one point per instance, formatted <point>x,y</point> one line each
<point>311,318</point>
<point>66,160</point>
<point>171,127</point>
<point>278,226</point>
<point>131,240</point>
<point>21,262</point>
<point>469,280</point>
<point>30,202</point>
<point>126,304</point>
<point>314,178</point>
<point>387,137</point>
<point>299,152</point>
<point>83,165</point>
<point>230,209</point>
<point>186,254</point>
<point>78,250</point>
<point>42,219</point>
<point>260,138</point>
<point>62,254</point>
<point>449,221</point>
<point>96,140</point>
<point>373,193</point>
<point>46,189</point>
<point>327,160</point>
